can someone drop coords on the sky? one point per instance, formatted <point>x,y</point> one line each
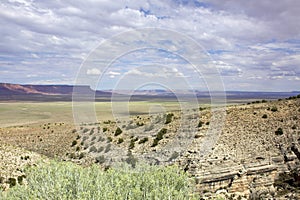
<point>248,45</point>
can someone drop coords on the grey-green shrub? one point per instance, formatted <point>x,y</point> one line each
<point>65,180</point>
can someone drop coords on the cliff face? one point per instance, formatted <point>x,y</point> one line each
<point>45,92</point>
<point>16,89</point>
<point>257,155</point>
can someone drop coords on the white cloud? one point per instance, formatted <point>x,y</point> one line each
<point>93,71</point>
<point>114,73</point>
<point>255,38</point>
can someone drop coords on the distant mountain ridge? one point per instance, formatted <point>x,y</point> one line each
<point>31,92</point>
<point>17,89</point>
<point>9,91</point>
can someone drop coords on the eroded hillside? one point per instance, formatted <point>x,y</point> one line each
<point>255,156</point>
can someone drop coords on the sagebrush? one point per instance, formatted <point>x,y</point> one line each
<point>65,180</point>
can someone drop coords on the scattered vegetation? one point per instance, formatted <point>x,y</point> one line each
<point>118,131</point>
<point>142,141</point>
<point>107,122</point>
<point>74,143</point>
<point>107,148</point>
<point>200,124</point>
<point>120,140</point>
<point>274,109</point>
<point>93,149</point>
<point>279,131</point>
<point>85,130</point>
<point>131,160</point>
<point>104,129</point>
<point>109,139</point>
<point>159,137</point>
<point>201,108</point>
<point>169,118</point>
<point>132,143</point>
<point>265,116</point>
<point>100,159</point>
<point>100,149</point>
<point>92,131</point>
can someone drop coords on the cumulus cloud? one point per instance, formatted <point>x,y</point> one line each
<point>93,71</point>
<point>248,40</point>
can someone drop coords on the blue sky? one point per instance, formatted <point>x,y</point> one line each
<point>254,45</point>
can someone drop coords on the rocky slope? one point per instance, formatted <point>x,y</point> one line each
<point>13,162</point>
<point>256,154</point>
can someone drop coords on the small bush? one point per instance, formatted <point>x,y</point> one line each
<point>207,123</point>
<point>201,108</point>
<point>274,109</point>
<point>107,122</point>
<point>104,129</point>
<point>131,160</point>
<point>85,130</point>
<point>118,131</point>
<point>92,131</point>
<point>131,145</point>
<point>12,182</point>
<point>265,116</point>
<point>107,148</point>
<point>85,138</point>
<point>142,141</point>
<point>100,149</point>
<point>120,140</point>
<point>279,131</point>
<point>81,155</point>
<point>200,124</point>
<point>169,118</point>
<point>100,159</point>
<point>109,139</point>
<point>101,139</point>
<point>298,96</point>
<point>159,137</point>
<point>264,101</point>
<point>93,149</point>
<point>74,143</point>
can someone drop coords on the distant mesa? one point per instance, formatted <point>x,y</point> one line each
<point>10,91</point>
<point>30,92</point>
